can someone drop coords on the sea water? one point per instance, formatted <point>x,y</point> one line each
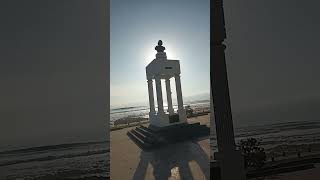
<point>73,161</point>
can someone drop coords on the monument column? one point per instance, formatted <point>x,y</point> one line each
<point>169,98</point>
<point>159,95</point>
<point>179,91</point>
<point>181,111</point>
<point>151,98</point>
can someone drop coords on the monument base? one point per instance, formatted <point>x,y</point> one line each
<point>151,137</point>
<point>164,120</point>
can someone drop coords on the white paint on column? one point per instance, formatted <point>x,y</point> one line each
<point>181,110</point>
<point>179,92</point>
<point>159,96</point>
<point>169,97</point>
<point>151,97</point>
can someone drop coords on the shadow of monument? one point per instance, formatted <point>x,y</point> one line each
<point>173,161</point>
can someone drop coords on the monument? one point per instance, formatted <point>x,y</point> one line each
<point>229,159</point>
<point>171,126</point>
<point>163,68</point>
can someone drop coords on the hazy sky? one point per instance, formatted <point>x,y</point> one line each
<point>136,27</point>
<point>272,51</point>
<point>53,68</point>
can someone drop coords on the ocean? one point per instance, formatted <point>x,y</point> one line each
<point>279,134</point>
<point>143,110</point>
<point>67,161</point>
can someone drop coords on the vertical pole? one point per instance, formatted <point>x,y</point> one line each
<point>181,110</point>
<point>169,98</point>
<point>179,92</point>
<point>229,159</point>
<point>159,95</point>
<point>151,98</point>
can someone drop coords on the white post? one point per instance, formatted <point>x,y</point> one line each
<point>159,95</point>
<point>169,99</point>
<point>179,92</point>
<point>181,111</point>
<point>151,98</point>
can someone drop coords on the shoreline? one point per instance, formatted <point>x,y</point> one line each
<point>136,121</point>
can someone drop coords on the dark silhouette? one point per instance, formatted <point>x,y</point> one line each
<point>189,111</point>
<point>164,159</point>
<point>150,138</point>
<point>229,158</point>
<point>159,48</point>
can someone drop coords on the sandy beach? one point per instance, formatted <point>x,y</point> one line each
<point>185,160</point>
<point>309,174</point>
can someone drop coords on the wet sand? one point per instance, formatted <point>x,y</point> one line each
<point>185,160</point>
<point>309,174</point>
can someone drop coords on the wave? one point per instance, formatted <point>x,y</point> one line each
<point>131,109</point>
<point>50,147</point>
<point>48,158</point>
<point>124,108</point>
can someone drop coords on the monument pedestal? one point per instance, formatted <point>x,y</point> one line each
<point>148,138</point>
<point>159,119</point>
<point>164,120</point>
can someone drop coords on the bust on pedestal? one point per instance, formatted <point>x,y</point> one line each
<point>169,126</point>
<point>163,68</point>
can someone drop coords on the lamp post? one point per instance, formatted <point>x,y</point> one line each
<point>228,157</point>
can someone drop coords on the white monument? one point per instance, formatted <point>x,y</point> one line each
<point>163,68</point>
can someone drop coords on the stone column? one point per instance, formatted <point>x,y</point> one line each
<point>228,157</point>
<point>151,98</point>
<point>159,95</point>
<point>169,99</point>
<point>179,91</point>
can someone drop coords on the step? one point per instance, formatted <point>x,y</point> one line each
<point>140,143</point>
<point>143,137</point>
<point>146,138</point>
<point>195,124</point>
<point>155,138</point>
<point>146,129</point>
<point>187,132</point>
<point>172,129</point>
<point>145,132</point>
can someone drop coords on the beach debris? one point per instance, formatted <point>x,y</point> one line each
<point>128,120</point>
<point>189,111</point>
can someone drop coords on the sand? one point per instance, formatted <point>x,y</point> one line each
<point>185,160</point>
<point>309,174</point>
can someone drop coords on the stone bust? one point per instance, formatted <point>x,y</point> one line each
<point>159,48</point>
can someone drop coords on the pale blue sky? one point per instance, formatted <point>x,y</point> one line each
<point>136,26</point>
